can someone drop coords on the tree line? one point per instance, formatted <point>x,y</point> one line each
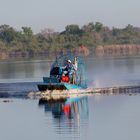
<point>48,42</point>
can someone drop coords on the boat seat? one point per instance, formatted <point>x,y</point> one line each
<point>51,80</point>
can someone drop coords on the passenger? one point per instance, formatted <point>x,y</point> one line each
<point>70,70</point>
<point>75,64</point>
<point>66,72</point>
<point>74,70</point>
<point>67,68</point>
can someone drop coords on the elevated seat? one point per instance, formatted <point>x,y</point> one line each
<point>56,71</point>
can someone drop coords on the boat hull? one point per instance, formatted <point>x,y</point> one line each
<point>57,86</point>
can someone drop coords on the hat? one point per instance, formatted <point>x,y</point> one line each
<point>69,61</point>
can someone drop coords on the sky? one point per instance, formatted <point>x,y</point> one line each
<point>57,14</point>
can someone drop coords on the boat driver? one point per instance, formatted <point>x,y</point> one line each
<point>67,68</point>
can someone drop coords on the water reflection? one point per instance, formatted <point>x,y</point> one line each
<point>101,72</point>
<point>70,117</point>
<point>107,72</point>
<point>24,70</point>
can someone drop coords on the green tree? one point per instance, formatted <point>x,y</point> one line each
<point>73,29</point>
<point>27,31</point>
<point>7,33</point>
<point>98,26</point>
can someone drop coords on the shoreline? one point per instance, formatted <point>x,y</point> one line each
<point>100,51</point>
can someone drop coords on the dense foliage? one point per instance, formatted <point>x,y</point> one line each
<point>25,42</point>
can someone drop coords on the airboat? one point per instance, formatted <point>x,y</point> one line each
<point>56,80</point>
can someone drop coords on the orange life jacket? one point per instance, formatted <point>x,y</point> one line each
<point>65,79</point>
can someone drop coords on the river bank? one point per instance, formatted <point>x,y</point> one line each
<point>101,51</point>
<point>118,50</point>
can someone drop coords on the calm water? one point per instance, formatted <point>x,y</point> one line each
<point>94,117</point>
<point>98,117</point>
<point>100,71</point>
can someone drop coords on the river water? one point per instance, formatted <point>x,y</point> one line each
<point>94,117</point>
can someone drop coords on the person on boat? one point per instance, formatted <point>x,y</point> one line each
<point>67,68</point>
<point>70,71</point>
<point>66,71</point>
<point>74,70</point>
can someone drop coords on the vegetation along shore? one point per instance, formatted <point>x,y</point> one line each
<point>93,38</point>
